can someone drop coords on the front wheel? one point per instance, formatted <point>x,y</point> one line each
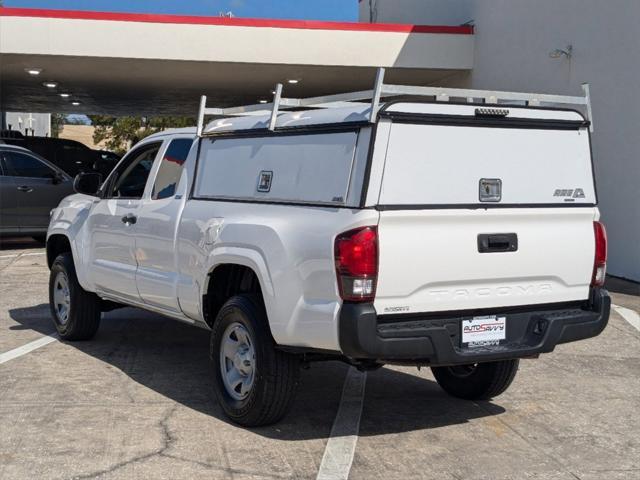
<point>478,381</point>
<point>255,383</point>
<point>76,312</point>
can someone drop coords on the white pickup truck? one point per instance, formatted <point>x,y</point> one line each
<point>458,236</point>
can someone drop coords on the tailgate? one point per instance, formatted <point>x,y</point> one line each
<point>430,261</point>
<point>484,217</point>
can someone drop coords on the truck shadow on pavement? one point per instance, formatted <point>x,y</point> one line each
<point>171,359</point>
<point>19,243</point>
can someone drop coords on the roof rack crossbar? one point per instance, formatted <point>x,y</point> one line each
<point>438,92</point>
<point>331,99</point>
<point>381,91</point>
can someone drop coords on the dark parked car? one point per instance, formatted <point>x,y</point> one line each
<point>30,187</point>
<point>105,162</point>
<point>71,156</point>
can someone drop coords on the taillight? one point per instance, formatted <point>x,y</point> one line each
<point>600,261</point>
<point>356,256</point>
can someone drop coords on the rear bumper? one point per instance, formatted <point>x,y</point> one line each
<point>436,340</point>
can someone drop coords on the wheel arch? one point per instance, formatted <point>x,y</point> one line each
<point>57,244</point>
<point>227,279</point>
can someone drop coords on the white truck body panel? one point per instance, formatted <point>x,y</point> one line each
<point>111,248</point>
<point>289,247</point>
<point>429,259</point>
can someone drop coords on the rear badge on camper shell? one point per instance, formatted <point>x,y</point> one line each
<point>569,194</point>
<point>490,189</point>
<point>264,181</point>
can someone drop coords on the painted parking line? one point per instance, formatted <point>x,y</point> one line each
<point>341,446</point>
<point>29,347</point>
<point>15,255</point>
<point>631,316</point>
<point>22,255</point>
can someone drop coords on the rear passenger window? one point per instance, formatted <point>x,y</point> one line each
<point>22,165</point>
<point>171,169</point>
<point>312,168</point>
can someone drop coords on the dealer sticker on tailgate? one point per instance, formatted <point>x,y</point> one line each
<point>484,331</point>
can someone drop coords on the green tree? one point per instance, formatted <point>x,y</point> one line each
<point>57,123</point>
<point>120,133</point>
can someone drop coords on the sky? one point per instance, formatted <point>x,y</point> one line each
<point>338,10</point>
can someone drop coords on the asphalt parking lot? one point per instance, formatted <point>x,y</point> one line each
<point>137,402</point>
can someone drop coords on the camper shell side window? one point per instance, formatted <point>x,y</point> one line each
<point>316,168</point>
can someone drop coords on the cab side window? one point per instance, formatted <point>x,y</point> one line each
<point>18,164</point>
<point>171,168</point>
<point>131,177</point>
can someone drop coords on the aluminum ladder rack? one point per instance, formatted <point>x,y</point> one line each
<point>382,90</point>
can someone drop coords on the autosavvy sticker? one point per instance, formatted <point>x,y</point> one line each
<point>488,330</point>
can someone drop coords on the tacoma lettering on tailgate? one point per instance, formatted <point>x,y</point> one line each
<point>506,291</point>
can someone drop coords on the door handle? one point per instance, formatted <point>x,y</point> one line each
<point>497,242</point>
<point>25,188</point>
<point>129,219</point>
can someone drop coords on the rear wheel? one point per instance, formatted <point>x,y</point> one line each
<point>477,381</point>
<point>75,312</point>
<point>255,383</point>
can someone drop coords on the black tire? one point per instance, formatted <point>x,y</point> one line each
<point>83,312</point>
<point>275,373</point>
<point>480,381</point>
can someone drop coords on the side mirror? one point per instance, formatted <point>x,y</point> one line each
<point>57,178</point>
<point>87,183</point>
